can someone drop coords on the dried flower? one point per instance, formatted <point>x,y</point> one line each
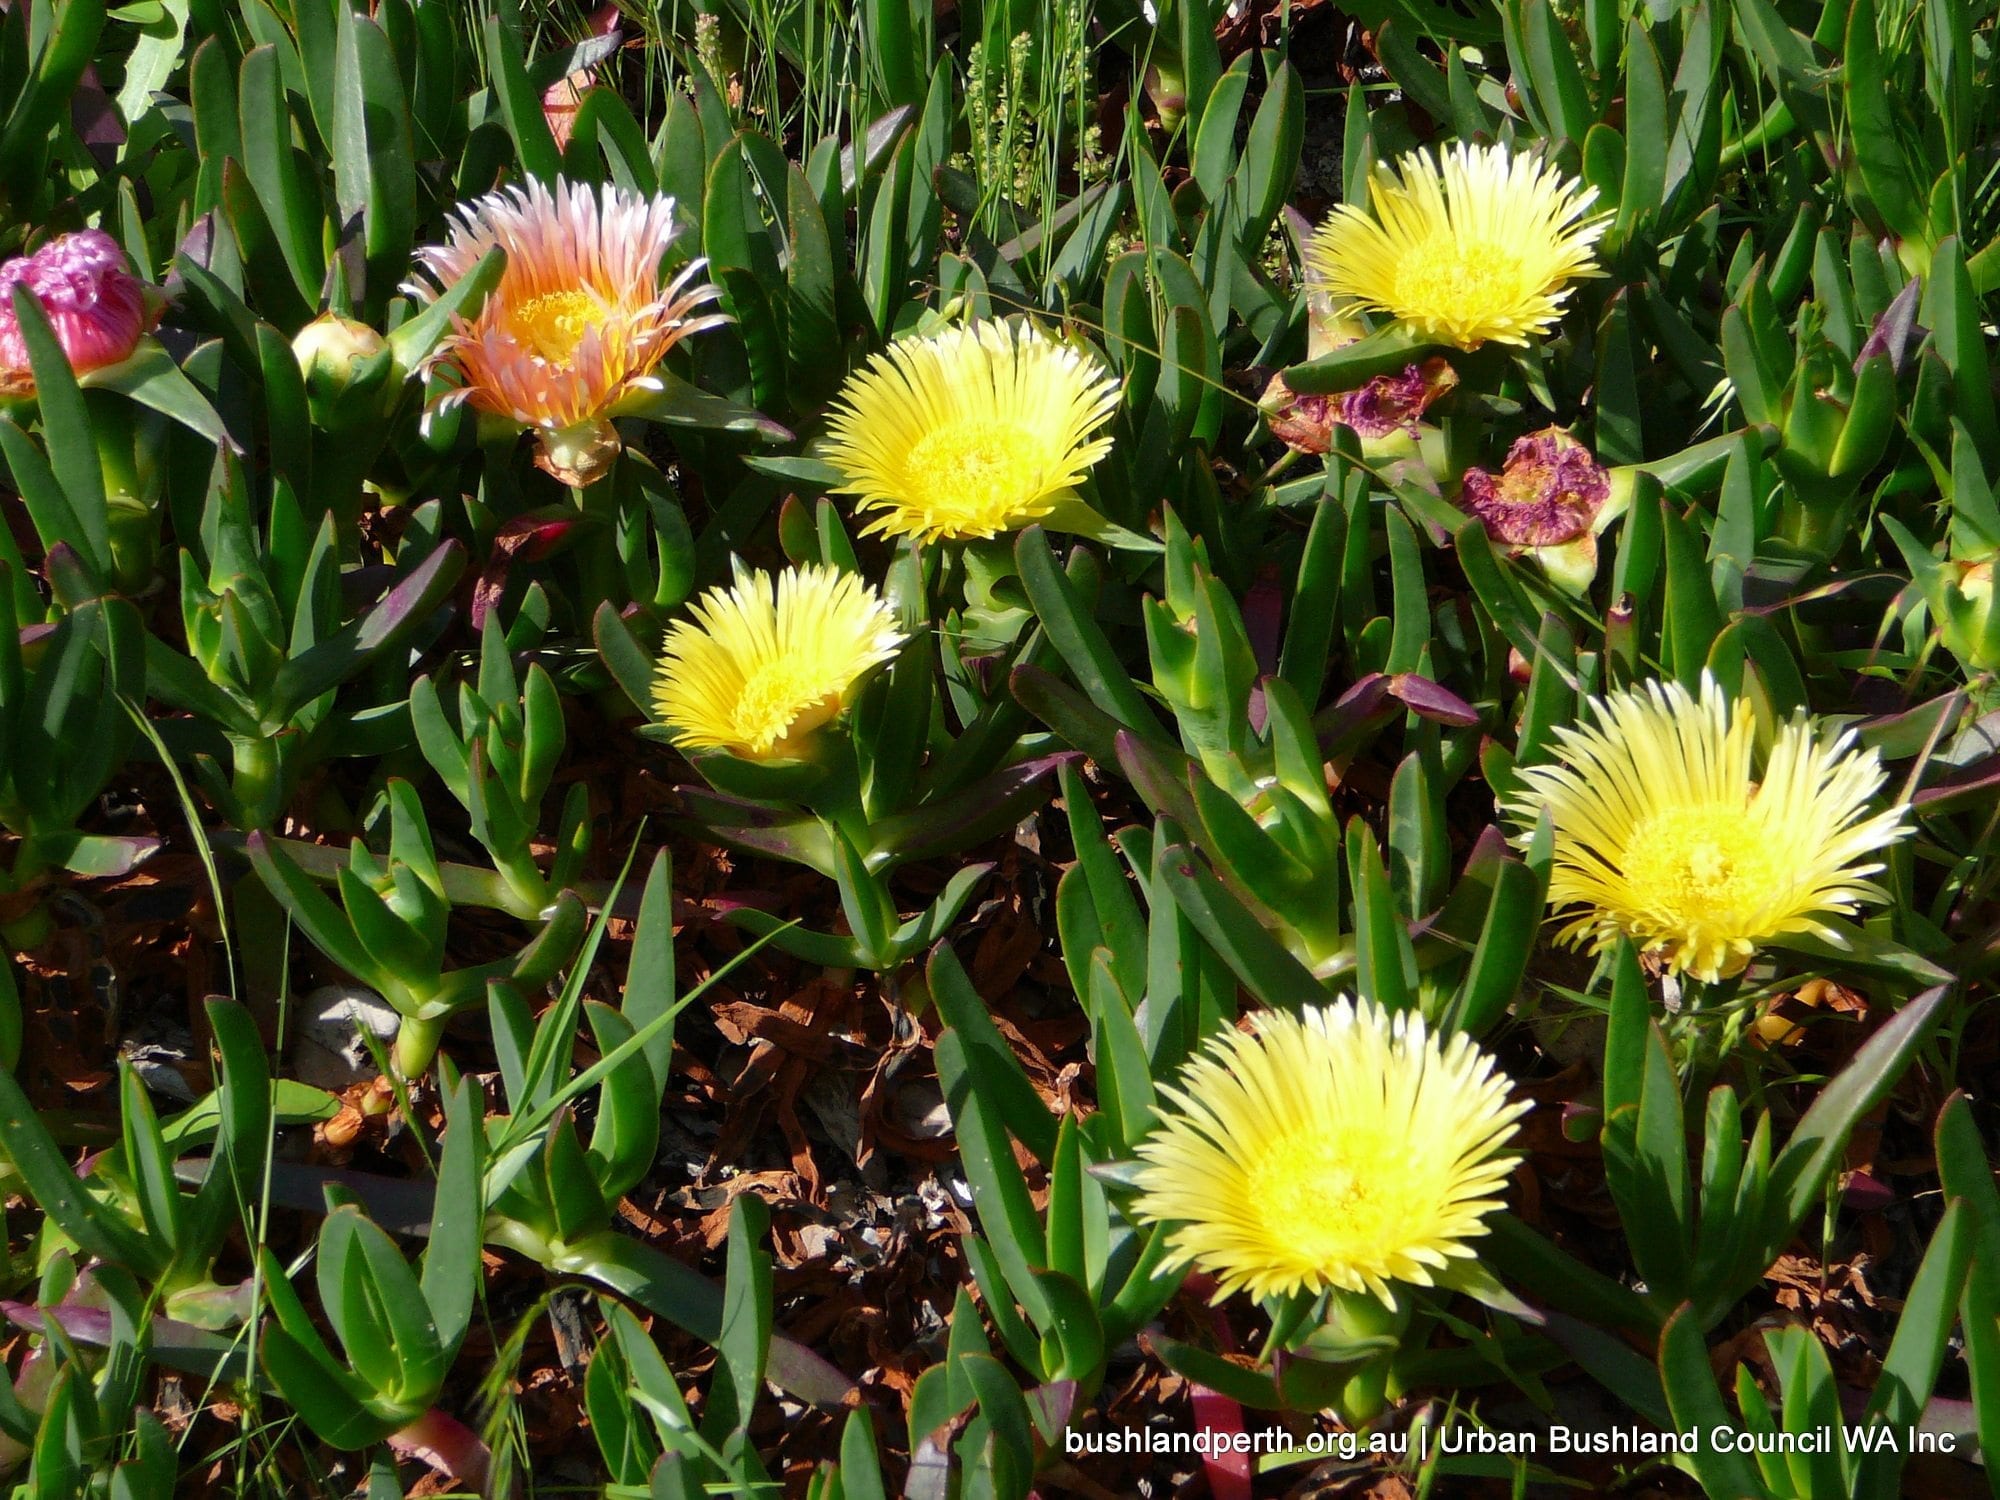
<point>1549,501</point>
<point>1386,406</point>
<point>1548,492</point>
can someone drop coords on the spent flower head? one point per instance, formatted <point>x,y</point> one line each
<point>1672,830</point>
<point>1383,407</point>
<point>1548,492</point>
<point>1338,1149</point>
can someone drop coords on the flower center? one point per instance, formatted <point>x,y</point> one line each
<point>1708,865</point>
<point>781,699</point>
<point>975,469</point>
<point>553,324</point>
<point>1336,1199</point>
<point>1450,278</point>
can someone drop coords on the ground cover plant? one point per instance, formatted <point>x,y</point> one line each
<point>958,747</point>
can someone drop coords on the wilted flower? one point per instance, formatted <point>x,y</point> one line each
<point>1549,501</point>
<point>579,318</point>
<point>1549,491</point>
<point>1396,403</point>
<point>1668,831</point>
<point>1481,245</point>
<point>98,309</point>
<point>763,665</point>
<point>970,432</point>
<point>1386,406</point>
<point>1341,1148</point>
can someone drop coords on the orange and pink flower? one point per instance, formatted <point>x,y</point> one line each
<point>579,321</point>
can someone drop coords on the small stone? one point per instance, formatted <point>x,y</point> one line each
<point>332,1048</point>
<point>920,1112</point>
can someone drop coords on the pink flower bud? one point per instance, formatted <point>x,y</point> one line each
<point>1548,493</point>
<point>98,308</point>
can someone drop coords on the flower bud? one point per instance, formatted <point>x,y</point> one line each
<point>96,307</point>
<point>1965,619</point>
<point>346,366</point>
<point>580,455</point>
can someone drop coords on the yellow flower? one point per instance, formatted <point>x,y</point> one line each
<point>1481,246</point>
<point>579,319</point>
<point>1339,1149</point>
<point>766,665</point>
<point>969,433</point>
<point>1666,832</point>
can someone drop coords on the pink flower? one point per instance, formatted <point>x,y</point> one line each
<point>98,309</point>
<point>1549,492</point>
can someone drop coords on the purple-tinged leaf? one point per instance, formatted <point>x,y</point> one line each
<point>798,837</point>
<point>1432,700</point>
<point>178,1345</point>
<point>976,813</point>
<point>447,1445</point>
<point>1897,331</point>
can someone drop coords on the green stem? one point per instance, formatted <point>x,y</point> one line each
<point>340,465</point>
<point>597,555</point>
<point>528,893</point>
<point>258,778</point>
<point>417,1041</point>
<point>1776,124</point>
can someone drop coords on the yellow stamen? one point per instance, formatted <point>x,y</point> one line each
<point>1476,245</point>
<point>963,473</point>
<point>765,663</point>
<point>553,324</point>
